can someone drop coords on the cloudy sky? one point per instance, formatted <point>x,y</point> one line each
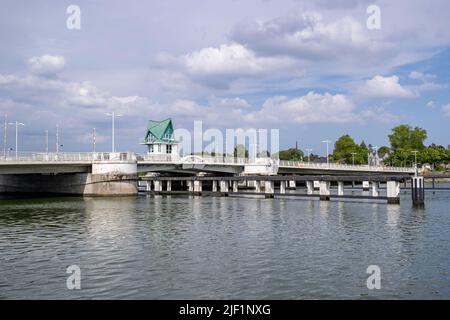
<point>310,68</point>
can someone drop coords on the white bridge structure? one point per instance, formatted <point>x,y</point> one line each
<point>106,173</point>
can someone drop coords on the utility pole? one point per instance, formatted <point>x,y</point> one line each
<point>327,142</point>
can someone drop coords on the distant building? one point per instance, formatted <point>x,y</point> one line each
<point>374,159</point>
<point>160,138</point>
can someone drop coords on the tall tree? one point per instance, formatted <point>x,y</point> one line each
<point>240,151</point>
<point>346,150</point>
<point>404,140</point>
<point>407,137</point>
<point>291,154</point>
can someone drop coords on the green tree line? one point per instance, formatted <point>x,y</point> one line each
<point>407,144</point>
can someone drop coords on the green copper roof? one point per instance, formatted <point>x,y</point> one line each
<point>159,131</point>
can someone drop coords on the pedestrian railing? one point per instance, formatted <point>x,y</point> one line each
<point>10,157</point>
<point>66,156</point>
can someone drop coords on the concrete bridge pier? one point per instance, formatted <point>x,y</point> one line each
<point>418,191</point>
<point>292,185</point>
<point>148,185</point>
<point>224,185</point>
<point>324,190</point>
<point>365,185</point>
<point>106,179</point>
<point>309,187</point>
<point>158,186</point>
<point>282,187</point>
<point>340,188</point>
<point>393,192</point>
<point>257,186</point>
<point>190,185</point>
<point>169,185</point>
<point>375,188</point>
<point>197,186</point>
<point>316,184</point>
<point>235,186</point>
<point>214,186</point>
<point>269,189</point>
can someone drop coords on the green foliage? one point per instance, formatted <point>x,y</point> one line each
<point>382,151</point>
<point>240,151</point>
<point>404,140</point>
<point>291,154</point>
<point>404,136</point>
<point>345,149</point>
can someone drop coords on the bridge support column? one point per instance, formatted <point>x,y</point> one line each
<point>340,188</point>
<point>235,186</point>
<point>268,189</point>
<point>197,186</point>
<point>292,184</point>
<point>418,191</point>
<point>107,178</point>
<point>309,187</point>
<point>169,185</point>
<point>257,186</point>
<point>316,185</point>
<point>282,187</point>
<point>393,191</point>
<point>365,185</point>
<point>224,185</point>
<point>148,185</point>
<point>324,190</point>
<point>158,185</point>
<point>190,185</point>
<point>375,188</point>
<point>214,186</point>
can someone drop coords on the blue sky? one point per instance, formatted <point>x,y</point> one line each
<point>309,68</point>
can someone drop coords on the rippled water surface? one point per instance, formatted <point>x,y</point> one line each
<point>221,248</point>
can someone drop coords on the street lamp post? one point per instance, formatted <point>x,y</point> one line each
<point>46,141</point>
<point>4,136</point>
<point>17,124</point>
<point>327,142</point>
<point>309,153</point>
<point>113,116</point>
<point>93,140</point>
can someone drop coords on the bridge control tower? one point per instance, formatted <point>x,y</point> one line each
<point>160,138</point>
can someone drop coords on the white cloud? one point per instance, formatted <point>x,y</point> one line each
<point>218,67</point>
<point>384,87</point>
<point>416,75</point>
<point>46,64</point>
<point>430,104</point>
<point>310,108</point>
<point>232,59</point>
<point>307,36</point>
<point>231,103</point>
<point>446,110</point>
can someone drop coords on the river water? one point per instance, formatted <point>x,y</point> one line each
<point>181,247</point>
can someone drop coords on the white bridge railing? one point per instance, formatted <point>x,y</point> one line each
<point>10,157</point>
<point>346,167</point>
<point>21,157</point>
